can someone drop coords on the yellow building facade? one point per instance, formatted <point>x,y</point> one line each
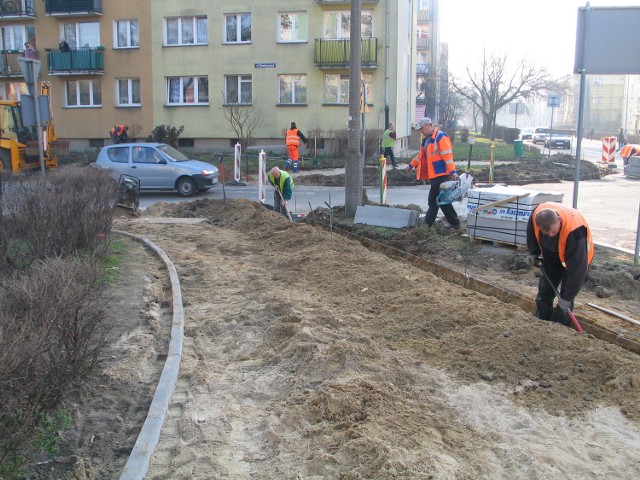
<point>145,63</point>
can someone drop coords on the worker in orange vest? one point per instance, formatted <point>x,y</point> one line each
<point>563,238</point>
<point>292,140</point>
<point>435,163</point>
<point>119,134</point>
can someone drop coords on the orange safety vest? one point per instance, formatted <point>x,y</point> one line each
<point>436,159</point>
<point>117,129</point>
<point>292,137</point>
<point>570,220</point>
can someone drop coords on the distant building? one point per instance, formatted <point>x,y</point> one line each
<point>146,63</point>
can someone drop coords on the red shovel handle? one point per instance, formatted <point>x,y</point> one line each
<point>574,320</point>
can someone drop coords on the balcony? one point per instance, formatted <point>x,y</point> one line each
<point>424,17</point>
<point>422,69</point>
<point>332,53</point>
<point>17,9</point>
<point>83,61</point>
<point>342,2</point>
<point>75,8</point>
<point>422,43</point>
<point>9,66</point>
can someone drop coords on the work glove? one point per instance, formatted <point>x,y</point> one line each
<point>408,169</point>
<point>564,305</point>
<point>532,260</point>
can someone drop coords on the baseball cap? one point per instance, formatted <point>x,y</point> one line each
<point>423,121</point>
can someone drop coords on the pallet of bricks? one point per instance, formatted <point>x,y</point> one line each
<point>508,209</point>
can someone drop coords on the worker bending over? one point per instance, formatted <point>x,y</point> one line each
<point>562,236</point>
<point>283,184</point>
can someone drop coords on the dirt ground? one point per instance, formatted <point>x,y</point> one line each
<point>309,356</point>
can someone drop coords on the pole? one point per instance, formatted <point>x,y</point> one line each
<point>550,132</point>
<point>635,256</point>
<point>583,75</point>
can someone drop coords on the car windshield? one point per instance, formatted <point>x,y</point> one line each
<point>173,154</point>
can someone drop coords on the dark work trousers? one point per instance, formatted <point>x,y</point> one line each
<point>277,204</point>
<point>388,152</point>
<point>544,299</point>
<point>448,210</point>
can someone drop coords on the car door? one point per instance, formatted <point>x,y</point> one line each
<point>150,167</point>
<point>119,160</point>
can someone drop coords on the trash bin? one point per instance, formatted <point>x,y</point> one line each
<point>518,147</point>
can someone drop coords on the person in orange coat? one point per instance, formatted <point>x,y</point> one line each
<point>562,236</point>
<point>119,134</point>
<point>292,140</point>
<point>435,163</point>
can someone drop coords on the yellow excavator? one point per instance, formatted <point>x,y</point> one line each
<point>19,143</point>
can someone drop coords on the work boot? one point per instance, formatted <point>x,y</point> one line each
<point>295,167</point>
<point>287,164</point>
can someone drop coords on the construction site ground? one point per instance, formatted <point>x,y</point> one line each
<point>309,355</point>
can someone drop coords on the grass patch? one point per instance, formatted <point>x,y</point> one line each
<point>113,261</point>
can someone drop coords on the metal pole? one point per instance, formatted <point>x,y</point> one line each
<point>635,256</point>
<point>550,132</point>
<point>583,75</point>
<point>36,103</point>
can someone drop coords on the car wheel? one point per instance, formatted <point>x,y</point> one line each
<point>186,187</point>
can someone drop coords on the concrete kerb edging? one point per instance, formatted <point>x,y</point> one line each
<point>138,463</point>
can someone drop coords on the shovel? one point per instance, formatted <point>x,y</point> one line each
<point>283,204</point>
<point>572,317</point>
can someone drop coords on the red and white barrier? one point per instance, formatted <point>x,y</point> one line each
<point>609,149</point>
<point>236,166</point>
<point>262,184</point>
<point>383,180</point>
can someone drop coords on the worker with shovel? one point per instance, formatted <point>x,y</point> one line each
<point>283,184</point>
<point>561,235</point>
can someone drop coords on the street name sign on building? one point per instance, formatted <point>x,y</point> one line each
<point>265,65</point>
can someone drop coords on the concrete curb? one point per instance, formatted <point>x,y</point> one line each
<point>138,463</point>
<point>606,246</point>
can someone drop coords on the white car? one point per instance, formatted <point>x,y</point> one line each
<point>159,167</point>
<point>526,133</point>
<point>540,134</point>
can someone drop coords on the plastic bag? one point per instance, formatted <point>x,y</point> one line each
<point>455,190</point>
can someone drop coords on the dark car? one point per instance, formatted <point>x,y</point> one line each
<point>159,167</point>
<point>558,140</point>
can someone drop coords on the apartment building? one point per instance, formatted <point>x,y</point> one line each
<point>145,63</point>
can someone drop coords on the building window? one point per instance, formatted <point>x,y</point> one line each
<point>238,89</point>
<point>237,28</point>
<point>128,92</point>
<point>292,89</point>
<point>125,34</point>
<point>186,31</point>
<point>83,93</point>
<point>337,25</point>
<point>97,143</point>
<point>186,143</point>
<point>336,88</point>
<point>15,36</point>
<point>597,100</point>
<point>188,90</point>
<point>81,35</point>
<point>292,27</point>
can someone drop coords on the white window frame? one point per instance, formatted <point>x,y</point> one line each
<point>92,94</point>
<point>14,36</point>
<point>343,84</point>
<point>240,81</point>
<point>130,87</point>
<point>127,24</point>
<point>296,21</point>
<point>182,83</point>
<point>238,17</point>
<point>78,41</point>
<point>195,19</point>
<point>295,82</point>
<point>343,33</point>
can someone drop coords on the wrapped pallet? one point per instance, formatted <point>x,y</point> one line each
<point>507,213</point>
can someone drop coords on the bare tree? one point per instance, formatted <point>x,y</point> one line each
<point>495,85</point>
<point>244,121</point>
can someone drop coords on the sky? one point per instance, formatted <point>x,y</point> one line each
<point>542,30</point>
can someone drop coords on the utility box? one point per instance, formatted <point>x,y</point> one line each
<point>518,148</point>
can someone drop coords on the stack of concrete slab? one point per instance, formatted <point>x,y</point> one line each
<point>632,168</point>
<point>507,213</point>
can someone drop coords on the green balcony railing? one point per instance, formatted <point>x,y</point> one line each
<point>16,9</point>
<point>81,60</point>
<point>66,7</point>
<point>335,53</point>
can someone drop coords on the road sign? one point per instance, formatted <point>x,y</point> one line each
<point>553,101</point>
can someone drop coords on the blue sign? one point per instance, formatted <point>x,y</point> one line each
<point>265,65</point>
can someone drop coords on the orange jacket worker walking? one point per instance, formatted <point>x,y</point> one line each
<point>435,163</point>
<point>292,139</point>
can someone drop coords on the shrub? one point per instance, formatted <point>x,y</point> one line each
<point>68,211</point>
<point>464,135</point>
<point>166,134</point>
